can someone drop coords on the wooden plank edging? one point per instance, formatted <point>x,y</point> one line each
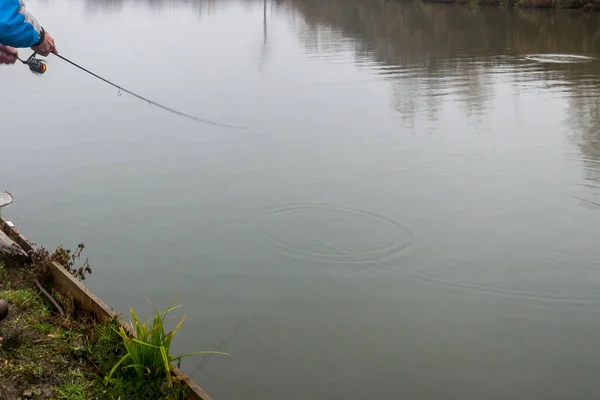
<point>68,285</point>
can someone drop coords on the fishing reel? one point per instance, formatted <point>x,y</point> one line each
<point>35,65</point>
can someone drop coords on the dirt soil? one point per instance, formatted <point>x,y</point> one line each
<point>41,353</point>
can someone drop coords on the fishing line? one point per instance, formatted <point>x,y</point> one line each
<point>206,121</point>
<point>39,67</point>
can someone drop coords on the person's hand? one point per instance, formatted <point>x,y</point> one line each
<point>47,46</point>
<point>8,55</point>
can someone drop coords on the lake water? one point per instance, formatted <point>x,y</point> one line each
<point>413,209</point>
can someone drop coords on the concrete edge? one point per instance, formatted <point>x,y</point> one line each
<point>68,285</point>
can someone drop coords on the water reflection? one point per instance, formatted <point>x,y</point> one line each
<point>198,7</point>
<point>395,31</point>
<point>105,6</point>
<point>263,52</point>
<point>585,132</point>
<point>452,45</point>
<point>434,56</point>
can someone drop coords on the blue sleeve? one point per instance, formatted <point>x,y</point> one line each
<point>18,28</point>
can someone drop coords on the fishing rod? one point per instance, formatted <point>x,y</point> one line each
<point>39,67</point>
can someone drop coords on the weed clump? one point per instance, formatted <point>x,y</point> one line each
<point>51,350</point>
<point>105,350</point>
<point>149,352</point>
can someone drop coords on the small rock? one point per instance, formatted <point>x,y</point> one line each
<point>47,393</point>
<point>28,394</point>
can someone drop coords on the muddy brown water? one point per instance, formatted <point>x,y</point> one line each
<point>412,212</point>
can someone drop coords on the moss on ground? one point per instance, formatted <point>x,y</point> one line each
<point>46,355</point>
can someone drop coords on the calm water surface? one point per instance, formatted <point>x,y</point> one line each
<point>413,211</point>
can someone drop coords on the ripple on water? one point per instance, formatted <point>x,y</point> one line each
<point>559,58</point>
<point>332,234</point>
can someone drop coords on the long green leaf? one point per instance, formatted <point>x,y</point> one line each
<point>114,368</point>
<point>196,353</point>
<point>166,364</point>
<point>146,344</point>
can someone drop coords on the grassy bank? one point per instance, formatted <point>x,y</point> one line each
<point>53,350</point>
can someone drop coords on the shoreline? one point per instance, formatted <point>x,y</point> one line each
<point>525,5</point>
<point>83,299</point>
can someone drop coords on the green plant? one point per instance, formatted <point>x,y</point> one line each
<point>149,351</point>
<point>43,327</point>
<point>74,390</point>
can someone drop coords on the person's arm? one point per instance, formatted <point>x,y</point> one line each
<point>18,28</point>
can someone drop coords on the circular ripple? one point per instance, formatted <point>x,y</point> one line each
<point>325,233</point>
<point>331,234</point>
<point>559,58</point>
